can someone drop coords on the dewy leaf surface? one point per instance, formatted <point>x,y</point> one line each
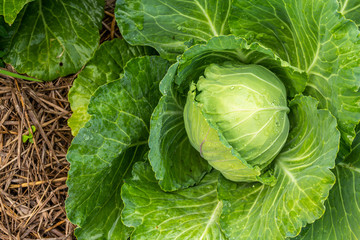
<point>106,66</point>
<point>171,26</point>
<point>312,36</point>
<point>342,216</point>
<point>191,213</point>
<point>102,154</point>
<point>176,163</point>
<point>55,38</point>
<point>350,9</point>
<point>11,8</point>
<point>304,179</point>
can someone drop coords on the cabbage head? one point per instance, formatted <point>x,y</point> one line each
<point>247,105</point>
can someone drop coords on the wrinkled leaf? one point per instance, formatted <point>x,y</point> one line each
<point>191,213</point>
<point>342,216</point>
<point>106,66</point>
<point>171,26</point>
<point>50,39</point>
<point>102,154</point>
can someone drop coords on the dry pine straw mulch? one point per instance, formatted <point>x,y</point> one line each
<point>33,175</point>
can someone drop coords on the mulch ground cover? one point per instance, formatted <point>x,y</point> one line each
<point>33,173</point>
<point>34,138</point>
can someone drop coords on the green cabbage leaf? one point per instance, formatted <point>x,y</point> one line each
<point>104,150</point>
<point>172,26</point>
<point>342,216</point>
<point>350,9</point>
<point>107,65</point>
<point>62,37</point>
<point>10,9</point>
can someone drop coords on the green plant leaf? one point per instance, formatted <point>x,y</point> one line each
<point>102,154</point>
<point>11,74</point>
<point>171,26</point>
<point>303,174</point>
<point>11,8</point>
<point>230,48</point>
<point>50,39</point>
<point>342,216</point>
<point>350,9</point>
<point>176,163</point>
<point>326,47</point>
<point>29,136</point>
<point>106,66</point>
<point>25,138</point>
<point>191,213</point>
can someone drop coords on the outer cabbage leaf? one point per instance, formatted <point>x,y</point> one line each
<point>233,49</point>
<point>10,9</point>
<point>303,174</point>
<point>342,216</point>
<point>50,39</point>
<point>102,154</point>
<point>312,36</point>
<point>171,26</point>
<point>175,162</point>
<point>106,66</point>
<point>191,213</point>
<point>350,9</point>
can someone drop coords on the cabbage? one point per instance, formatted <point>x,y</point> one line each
<point>246,105</point>
<point>246,131</point>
